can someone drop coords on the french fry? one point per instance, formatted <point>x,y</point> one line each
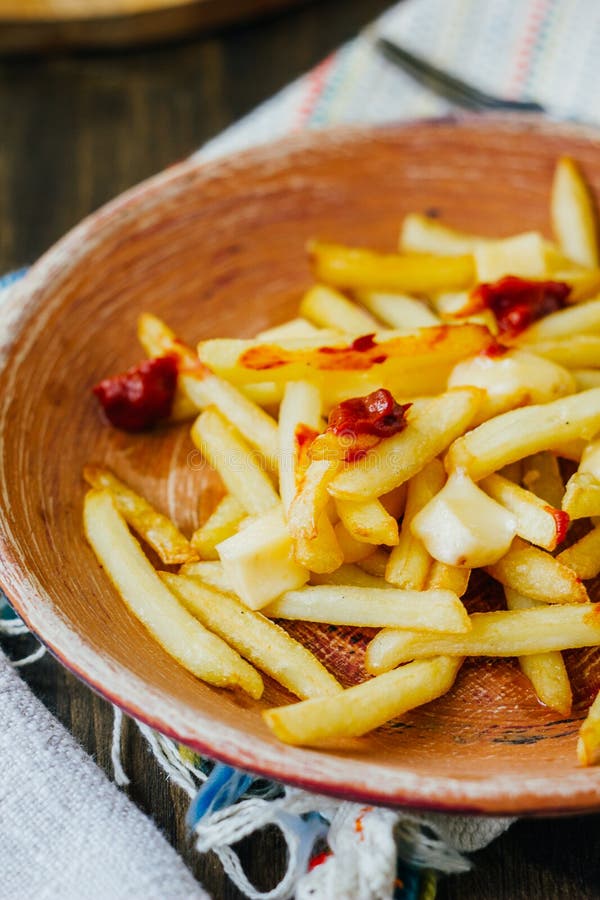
<point>198,650</point>
<point>462,526</point>
<point>328,308</point>
<point>293,328</point>
<point>420,234</point>
<point>582,496</point>
<point>368,521</point>
<point>430,429</point>
<point>240,470</point>
<point>355,268</point>
<point>157,530</point>
<point>515,632</point>
<point>222,523</point>
<point>373,607</point>
<point>573,214</point>
<point>353,551</point>
<point>375,563</point>
<point>262,642</point>
<point>259,562</point>
<point>583,556</point>
<point>590,459</point>
<point>521,432</point>
<point>515,378</point>
<point>398,310</point>
<point>311,498</point>
<point>209,572</point>
<point>546,671</point>
<point>581,351</point>
<point>541,476</point>
<point>395,501</point>
<point>582,318</point>
<point>204,389</point>
<point>448,578</point>
<point>586,378</point>
<point>536,522</point>
<point>588,743</point>
<point>409,561</point>
<point>320,552</point>
<point>349,574</point>
<point>524,255</point>
<point>534,573</point>
<point>299,421</point>
<point>364,707</point>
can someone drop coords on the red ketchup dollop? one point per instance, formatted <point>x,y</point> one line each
<point>518,302</point>
<point>140,397</point>
<point>377,414</point>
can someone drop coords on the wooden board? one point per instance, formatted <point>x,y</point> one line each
<point>43,25</point>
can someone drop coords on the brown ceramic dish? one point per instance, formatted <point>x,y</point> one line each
<point>219,250</point>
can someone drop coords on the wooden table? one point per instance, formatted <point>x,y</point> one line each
<point>76,130</point>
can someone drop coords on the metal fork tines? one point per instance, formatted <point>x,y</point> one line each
<point>448,86</point>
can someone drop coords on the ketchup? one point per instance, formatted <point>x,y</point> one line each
<point>377,414</point>
<point>141,396</point>
<point>518,302</point>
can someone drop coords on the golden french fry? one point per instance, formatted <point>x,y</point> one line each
<point>328,308</point>
<point>536,521</point>
<point>198,650</point>
<point>431,427</point>
<point>293,328</point>
<point>586,378</point>
<point>311,498</point>
<point>349,574</point>
<point>420,234</point>
<point>521,432</point>
<point>582,496</point>
<point>239,468</point>
<point>299,422</point>
<point>515,632</point>
<point>398,310</point>
<point>448,578</point>
<point>259,561</point>
<point>351,267</point>
<point>583,556</point>
<point>588,744</point>
<point>375,563</point>
<point>546,671</point>
<point>541,476</point>
<point>373,607</point>
<point>353,551</point>
<point>534,573</point>
<point>210,572</point>
<point>368,521</point>
<point>256,638</point>
<point>320,552</point>
<point>222,523</point>
<point>581,351</point>
<point>364,707</point>
<point>573,214</point>
<point>157,530</point>
<point>583,318</point>
<point>409,561</point>
<point>524,255</point>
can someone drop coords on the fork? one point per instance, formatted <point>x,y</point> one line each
<point>448,86</point>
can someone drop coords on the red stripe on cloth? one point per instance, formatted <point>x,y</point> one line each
<point>315,85</point>
<point>527,46</point>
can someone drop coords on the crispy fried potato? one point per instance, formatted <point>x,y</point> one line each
<point>515,632</point>
<point>198,650</point>
<point>157,530</point>
<point>328,308</point>
<point>582,496</point>
<point>583,556</point>
<point>321,552</point>
<point>420,234</point>
<point>536,521</point>
<point>366,706</point>
<point>398,310</point>
<point>256,638</point>
<point>368,521</point>
<point>541,475</point>
<point>583,318</point>
<point>573,214</point>
<point>299,422</point>
<point>581,351</point>
<point>222,523</point>
<point>534,573</point>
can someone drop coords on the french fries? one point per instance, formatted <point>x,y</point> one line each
<point>404,429</point>
<point>256,638</point>
<point>517,632</point>
<point>198,650</point>
<point>156,529</point>
<point>373,608</point>
<point>362,708</point>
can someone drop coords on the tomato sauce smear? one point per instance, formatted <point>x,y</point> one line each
<point>141,397</point>
<point>519,302</point>
<point>377,414</point>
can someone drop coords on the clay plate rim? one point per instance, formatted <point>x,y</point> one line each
<point>577,792</point>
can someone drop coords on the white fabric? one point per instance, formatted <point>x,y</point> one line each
<point>65,830</point>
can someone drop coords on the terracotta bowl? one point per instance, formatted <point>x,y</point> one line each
<point>218,249</point>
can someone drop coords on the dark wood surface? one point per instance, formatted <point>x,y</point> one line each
<point>78,129</point>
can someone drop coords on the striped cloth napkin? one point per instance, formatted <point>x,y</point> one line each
<point>546,50</point>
